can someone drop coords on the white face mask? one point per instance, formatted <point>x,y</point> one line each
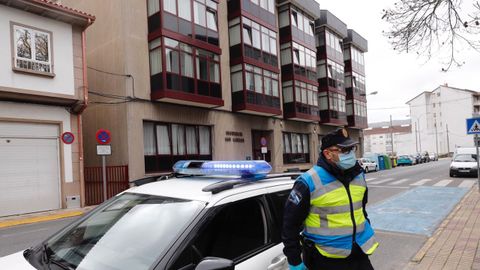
<point>347,160</point>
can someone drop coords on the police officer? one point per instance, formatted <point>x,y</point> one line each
<point>325,218</point>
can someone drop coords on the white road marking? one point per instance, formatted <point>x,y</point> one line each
<point>421,182</point>
<point>399,181</point>
<point>467,183</point>
<point>381,181</point>
<point>371,179</point>
<point>380,186</point>
<point>443,183</point>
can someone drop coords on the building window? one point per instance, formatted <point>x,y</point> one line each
<point>302,24</point>
<point>153,7</point>
<point>304,60</point>
<point>260,42</point>
<point>358,62</point>
<point>166,143</point>
<point>331,74</point>
<point>268,5</point>
<point>32,50</point>
<point>261,81</point>
<point>193,18</point>
<point>296,148</point>
<point>188,68</point>
<point>170,6</point>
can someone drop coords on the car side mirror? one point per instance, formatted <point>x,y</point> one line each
<point>214,263</point>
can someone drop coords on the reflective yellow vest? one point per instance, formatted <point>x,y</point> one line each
<point>336,214</point>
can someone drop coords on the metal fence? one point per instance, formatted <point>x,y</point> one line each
<point>117,181</point>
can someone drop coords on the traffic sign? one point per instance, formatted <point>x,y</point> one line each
<point>473,125</point>
<point>104,150</point>
<point>68,137</point>
<point>263,141</point>
<point>103,136</point>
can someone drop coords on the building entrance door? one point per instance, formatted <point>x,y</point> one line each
<point>260,137</point>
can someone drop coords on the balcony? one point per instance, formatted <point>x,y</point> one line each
<point>256,103</point>
<point>357,122</point>
<point>263,14</point>
<point>333,118</point>
<point>301,112</point>
<point>183,90</point>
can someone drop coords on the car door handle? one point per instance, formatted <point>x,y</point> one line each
<point>277,263</point>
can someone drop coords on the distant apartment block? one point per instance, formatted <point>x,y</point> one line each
<point>438,118</point>
<point>378,139</point>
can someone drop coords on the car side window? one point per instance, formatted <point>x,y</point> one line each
<point>277,202</point>
<point>235,231</point>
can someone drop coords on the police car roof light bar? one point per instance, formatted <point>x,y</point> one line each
<point>251,169</point>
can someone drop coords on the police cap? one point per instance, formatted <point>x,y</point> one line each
<point>339,138</point>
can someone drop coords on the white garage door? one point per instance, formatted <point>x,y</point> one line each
<point>29,168</point>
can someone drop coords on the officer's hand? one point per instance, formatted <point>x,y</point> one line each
<point>297,267</point>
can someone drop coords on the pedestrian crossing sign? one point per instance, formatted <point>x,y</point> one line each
<point>473,125</point>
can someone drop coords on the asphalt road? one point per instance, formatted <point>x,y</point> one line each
<point>14,239</point>
<point>386,188</point>
<point>394,186</point>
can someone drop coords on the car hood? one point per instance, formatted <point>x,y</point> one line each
<point>15,261</point>
<point>463,164</point>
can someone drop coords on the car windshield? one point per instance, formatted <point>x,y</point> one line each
<point>466,158</point>
<point>130,232</point>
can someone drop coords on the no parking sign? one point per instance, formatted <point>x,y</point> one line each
<point>103,136</point>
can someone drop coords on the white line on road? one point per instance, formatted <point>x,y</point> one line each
<point>380,186</point>
<point>421,182</point>
<point>443,183</point>
<point>399,182</point>
<point>381,181</point>
<point>467,183</point>
<point>371,179</point>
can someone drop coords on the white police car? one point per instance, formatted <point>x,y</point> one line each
<point>191,220</point>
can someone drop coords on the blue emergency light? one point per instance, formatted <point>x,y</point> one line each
<point>243,168</point>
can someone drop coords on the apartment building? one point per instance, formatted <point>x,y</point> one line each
<point>378,138</point>
<point>438,118</point>
<point>207,79</point>
<point>42,97</point>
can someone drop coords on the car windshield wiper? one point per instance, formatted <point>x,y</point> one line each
<point>48,258</point>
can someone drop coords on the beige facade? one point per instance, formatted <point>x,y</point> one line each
<point>117,52</point>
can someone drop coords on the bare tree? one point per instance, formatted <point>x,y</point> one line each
<point>428,27</point>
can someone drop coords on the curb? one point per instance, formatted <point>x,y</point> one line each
<point>35,219</point>
<point>421,253</point>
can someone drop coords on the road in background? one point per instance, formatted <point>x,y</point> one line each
<point>392,194</point>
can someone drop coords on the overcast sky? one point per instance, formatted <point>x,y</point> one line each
<point>397,77</point>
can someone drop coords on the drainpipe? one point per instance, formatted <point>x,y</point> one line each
<point>79,117</point>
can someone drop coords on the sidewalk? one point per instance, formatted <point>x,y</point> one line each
<point>455,244</point>
<point>42,216</point>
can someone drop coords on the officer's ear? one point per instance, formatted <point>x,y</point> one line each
<point>327,154</point>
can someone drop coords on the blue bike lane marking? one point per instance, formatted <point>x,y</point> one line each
<point>419,210</point>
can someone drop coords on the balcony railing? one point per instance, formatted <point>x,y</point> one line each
<point>299,111</point>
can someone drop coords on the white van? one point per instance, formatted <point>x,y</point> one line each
<point>464,162</point>
<point>465,150</point>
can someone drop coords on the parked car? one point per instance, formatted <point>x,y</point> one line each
<point>418,158</point>
<point>414,159</point>
<point>433,157</point>
<point>181,221</point>
<point>405,160</point>
<point>425,157</point>
<point>464,164</point>
<point>368,165</point>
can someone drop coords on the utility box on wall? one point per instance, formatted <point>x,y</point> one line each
<point>73,201</point>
